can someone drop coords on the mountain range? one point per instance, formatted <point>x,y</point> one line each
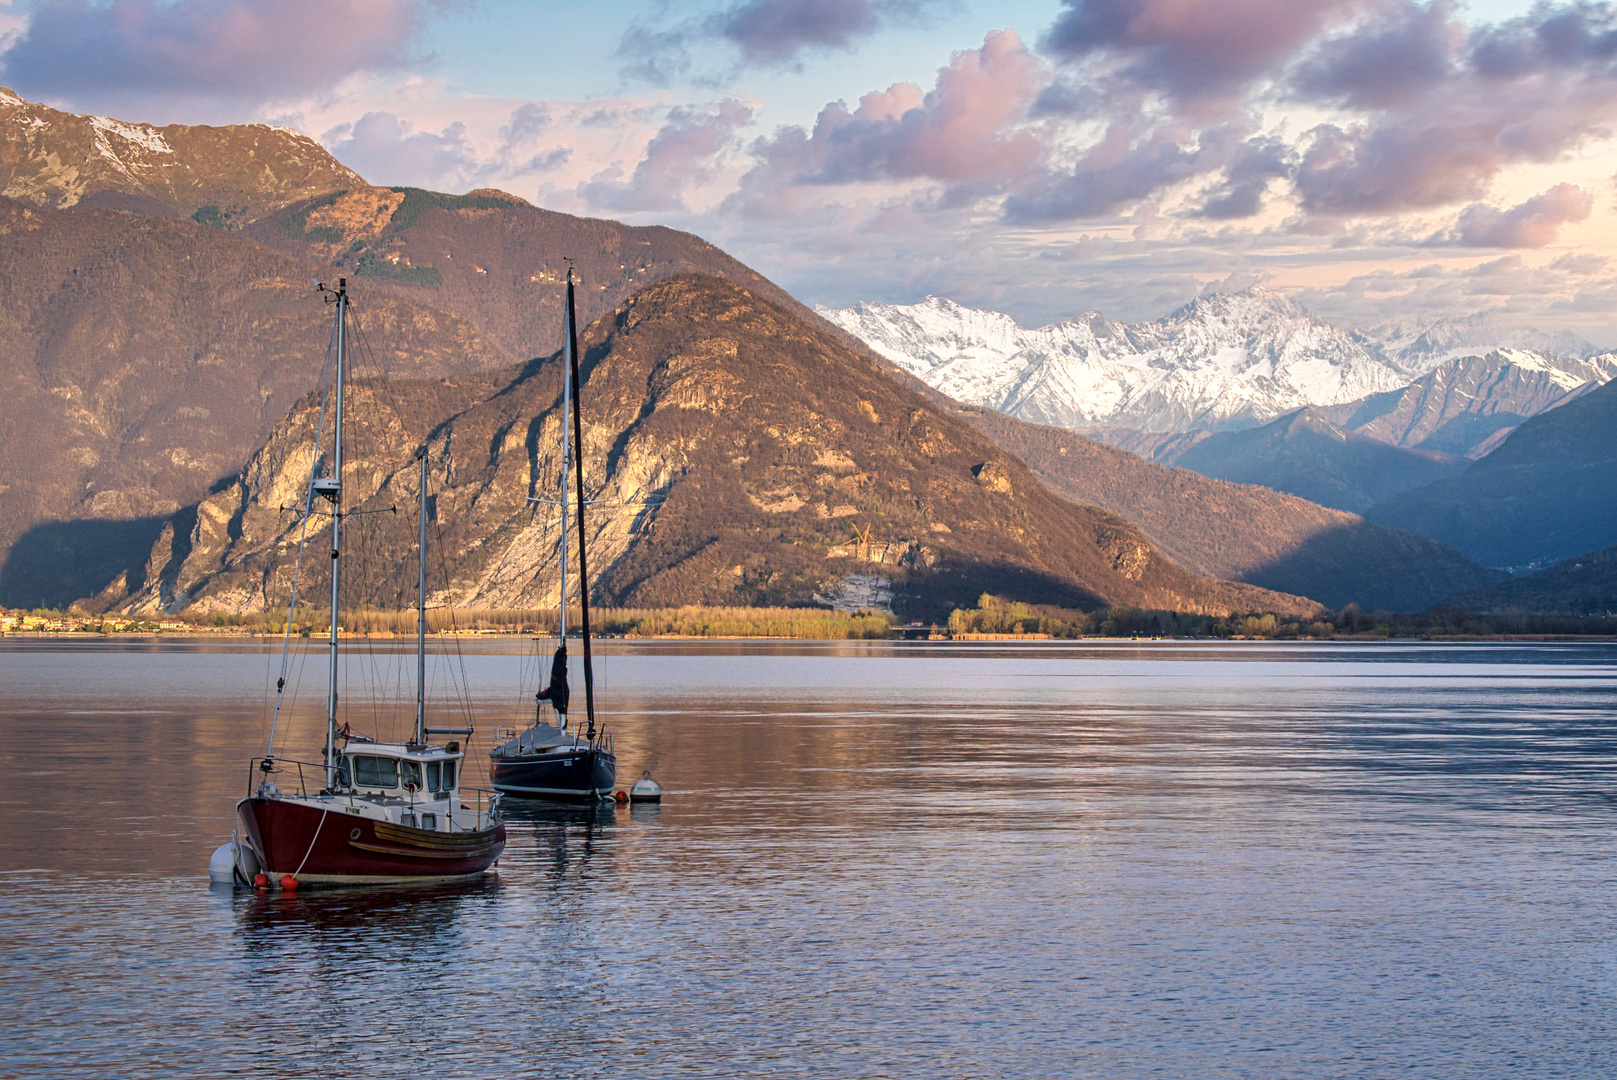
<point>1547,493</point>
<point>162,338</point>
<point>1228,361</point>
<point>781,462</point>
<point>1249,387</point>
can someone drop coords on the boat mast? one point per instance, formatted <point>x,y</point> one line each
<point>583,571</point>
<point>421,613</point>
<point>333,491</point>
<point>566,464</point>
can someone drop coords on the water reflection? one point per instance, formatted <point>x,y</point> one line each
<point>561,841</point>
<point>1116,860</point>
<point>407,915</point>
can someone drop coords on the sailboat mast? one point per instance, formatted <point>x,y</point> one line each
<point>566,465</point>
<point>578,473</point>
<point>421,612</point>
<point>336,531</point>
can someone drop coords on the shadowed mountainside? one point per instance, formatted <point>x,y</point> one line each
<point>1582,585</point>
<point>1304,454</point>
<point>1549,492</point>
<point>1467,406</point>
<point>786,464</point>
<point>1239,532</point>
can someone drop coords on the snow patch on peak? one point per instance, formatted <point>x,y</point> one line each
<point>142,135</point>
<point>1223,360</point>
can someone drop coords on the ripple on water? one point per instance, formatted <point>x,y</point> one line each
<point>874,861</point>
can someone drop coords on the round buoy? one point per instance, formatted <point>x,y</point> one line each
<point>289,883</point>
<point>260,881</point>
<point>621,797</point>
<point>222,865</point>
<point>645,789</point>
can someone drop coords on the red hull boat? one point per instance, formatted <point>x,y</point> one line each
<point>369,812</point>
<point>328,841</point>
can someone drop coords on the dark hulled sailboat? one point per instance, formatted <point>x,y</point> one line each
<point>547,761</point>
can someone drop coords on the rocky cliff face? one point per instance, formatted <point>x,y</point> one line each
<point>148,351</point>
<point>225,176</point>
<point>744,455</point>
<point>141,361</point>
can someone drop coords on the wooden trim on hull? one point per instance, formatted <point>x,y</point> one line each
<point>319,846</point>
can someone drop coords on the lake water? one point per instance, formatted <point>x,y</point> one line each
<point>884,860</point>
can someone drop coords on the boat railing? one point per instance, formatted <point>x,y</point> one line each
<point>484,804</point>
<point>262,769</point>
<point>481,802</point>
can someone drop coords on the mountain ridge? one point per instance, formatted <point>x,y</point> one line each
<point>724,404</point>
<point>223,176</point>
<point>1228,361</point>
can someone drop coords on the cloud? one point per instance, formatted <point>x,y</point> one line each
<point>252,49</point>
<point>686,151</point>
<point>764,33</point>
<point>776,31</point>
<point>1248,178</point>
<point>1191,48</point>
<point>1127,166</point>
<point>386,150</point>
<point>970,132</point>
<point>1531,224</point>
<point>1400,52</point>
<point>1528,90</point>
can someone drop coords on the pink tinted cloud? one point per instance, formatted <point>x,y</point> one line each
<point>686,151</point>
<point>969,129</point>
<point>766,33</point>
<point>1401,51</point>
<point>1530,224</point>
<point>232,48</point>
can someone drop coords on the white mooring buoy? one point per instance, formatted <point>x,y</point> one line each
<point>645,789</point>
<point>232,864</point>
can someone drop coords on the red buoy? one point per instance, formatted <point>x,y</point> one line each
<point>621,797</point>
<point>289,884</point>
<point>260,881</point>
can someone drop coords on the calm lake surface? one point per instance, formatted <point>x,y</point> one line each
<point>986,860</point>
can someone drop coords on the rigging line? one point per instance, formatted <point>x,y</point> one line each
<point>463,690</point>
<point>303,535</point>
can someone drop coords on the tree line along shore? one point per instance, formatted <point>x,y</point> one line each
<point>991,619</point>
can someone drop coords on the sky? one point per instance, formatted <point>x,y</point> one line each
<point>1381,161</point>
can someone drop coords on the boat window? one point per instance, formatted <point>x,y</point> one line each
<point>375,771</point>
<point>429,822</point>
<point>407,819</point>
<point>343,780</point>
<point>434,776</point>
<point>449,776</point>
<point>411,774</point>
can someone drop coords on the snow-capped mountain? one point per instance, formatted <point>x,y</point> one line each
<point>1220,362</point>
<point>1419,347</point>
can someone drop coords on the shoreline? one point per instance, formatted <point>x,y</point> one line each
<point>206,633</point>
